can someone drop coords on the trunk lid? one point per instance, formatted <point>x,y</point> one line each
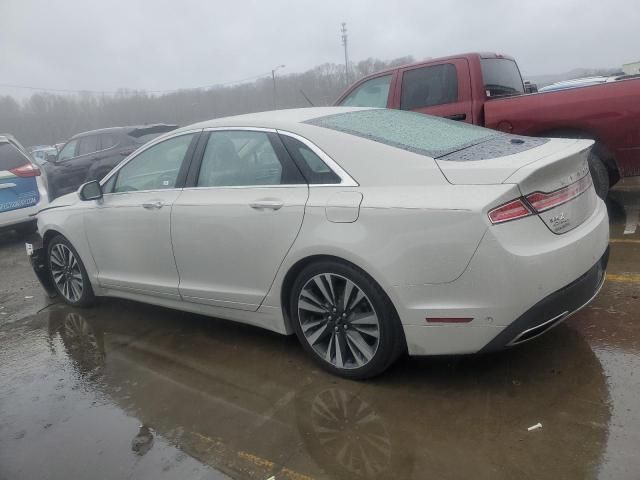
<point>539,167</point>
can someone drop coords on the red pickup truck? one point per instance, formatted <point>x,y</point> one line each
<point>486,89</point>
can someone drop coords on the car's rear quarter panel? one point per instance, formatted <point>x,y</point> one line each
<point>517,264</point>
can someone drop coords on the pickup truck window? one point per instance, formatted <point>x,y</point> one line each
<point>501,77</point>
<point>429,86</point>
<point>415,132</point>
<point>372,93</point>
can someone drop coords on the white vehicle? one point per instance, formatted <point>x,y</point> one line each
<point>367,232</point>
<point>22,190</point>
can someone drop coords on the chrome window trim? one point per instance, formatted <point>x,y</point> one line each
<point>346,180</point>
<point>250,129</point>
<point>142,149</point>
<point>159,190</point>
<point>235,187</point>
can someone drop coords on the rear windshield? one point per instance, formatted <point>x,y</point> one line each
<point>415,132</point>
<point>11,157</point>
<point>501,77</point>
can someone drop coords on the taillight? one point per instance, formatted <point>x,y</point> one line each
<point>509,211</point>
<point>538,202</point>
<point>26,170</point>
<point>545,201</point>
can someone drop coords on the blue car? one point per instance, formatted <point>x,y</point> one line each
<point>22,189</point>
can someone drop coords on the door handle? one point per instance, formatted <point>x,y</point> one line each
<point>267,204</point>
<point>457,116</point>
<point>153,205</point>
<point>7,185</point>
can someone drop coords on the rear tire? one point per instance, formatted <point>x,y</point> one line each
<point>600,175</point>
<point>68,274</point>
<point>344,320</point>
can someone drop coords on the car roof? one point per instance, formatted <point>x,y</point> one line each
<point>127,128</point>
<point>434,60</point>
<point>278,119</point>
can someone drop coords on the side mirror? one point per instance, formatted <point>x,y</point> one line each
<point>52,157</point>
<point>90,191</point>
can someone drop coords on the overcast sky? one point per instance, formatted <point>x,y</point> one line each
<point>161,44</point>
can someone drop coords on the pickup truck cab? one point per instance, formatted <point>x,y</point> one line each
<point>486,89</point>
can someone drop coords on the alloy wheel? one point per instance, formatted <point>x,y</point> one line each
<point>66,272</point>
<point>338,321</point>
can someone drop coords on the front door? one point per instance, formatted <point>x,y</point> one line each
<point>232,230</point>
<point>129,230</point>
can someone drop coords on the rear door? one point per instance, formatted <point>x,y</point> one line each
<point>442,89</point>
<point>232,229</point>
<point>18,186</point>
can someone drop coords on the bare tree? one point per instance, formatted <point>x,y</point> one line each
<point>45,118</point>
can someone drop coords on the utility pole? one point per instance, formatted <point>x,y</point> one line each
<point>273,77</point>
<point>346,55</point>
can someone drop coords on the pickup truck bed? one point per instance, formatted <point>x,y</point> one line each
<point>486,89</point>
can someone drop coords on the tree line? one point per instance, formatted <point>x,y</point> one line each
<point>46,118</point>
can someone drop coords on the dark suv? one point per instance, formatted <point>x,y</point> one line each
<point>91,155</point>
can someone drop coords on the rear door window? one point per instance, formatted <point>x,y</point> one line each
<point>429,86</point>
<point>372,93</point>
<point>108,140</point>
<point>244,158</point>
<point>88,145</point>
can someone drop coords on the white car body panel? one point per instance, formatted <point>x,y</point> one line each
<point>417,226</point>
<point>130,241</point>
<point>242,237</point>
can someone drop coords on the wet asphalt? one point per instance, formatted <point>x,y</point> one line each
<point>125,390</point>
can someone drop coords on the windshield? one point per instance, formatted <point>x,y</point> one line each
<point>501,77</point>
<point>415,132</point>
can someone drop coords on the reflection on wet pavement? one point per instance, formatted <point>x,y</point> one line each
<point>125,390</point>
<point>250,404</point>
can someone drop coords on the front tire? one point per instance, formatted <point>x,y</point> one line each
<point>344,320</point>
<point>68,273</point>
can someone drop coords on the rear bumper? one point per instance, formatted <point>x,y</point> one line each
<point>519,267</point>
<point>38,259</point>
<point>19,216</point>
<point>553,309</point>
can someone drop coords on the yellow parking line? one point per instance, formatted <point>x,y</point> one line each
<point>250,459</point>
<point>623,240</point>
<point>625,277</point>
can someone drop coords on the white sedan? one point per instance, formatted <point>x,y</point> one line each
<point>367,232</point>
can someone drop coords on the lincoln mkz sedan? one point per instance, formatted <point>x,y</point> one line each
<point>366,232</point>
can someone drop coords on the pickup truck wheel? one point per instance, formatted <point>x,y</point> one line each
<point>600,175</point>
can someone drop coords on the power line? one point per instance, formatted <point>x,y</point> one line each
<point>123,90</point>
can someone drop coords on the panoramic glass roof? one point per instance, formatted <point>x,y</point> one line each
<point>415,132</point>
